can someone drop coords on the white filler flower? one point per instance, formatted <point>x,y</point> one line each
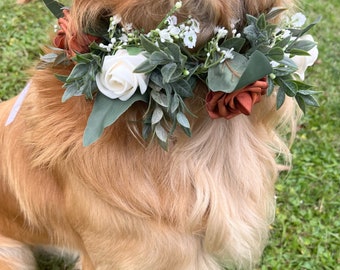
<point>117,79</point>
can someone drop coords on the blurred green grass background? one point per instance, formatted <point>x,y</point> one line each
<point>306,232</point>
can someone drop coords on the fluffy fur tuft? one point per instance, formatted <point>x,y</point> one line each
<point>205,204</point>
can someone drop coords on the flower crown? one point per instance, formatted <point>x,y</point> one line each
<point>126,65</point>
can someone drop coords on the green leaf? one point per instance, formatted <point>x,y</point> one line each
<point>298,52</point>
<point>71,90</point>
<point>60,77</point>
<point>301,103</point>
<point>225,76</point>
<point>77,72</point>
<point>83,58</point>
<point>174,51</point>
<point>298,33</point>
<point>61,58</point>
<point>252,72</point>
<point>168,72</point>
<point>159,58</point>
<point>49,58</point>
<point>288,86</point>
<point>308,92</point>
<point>160,98</point>
<point>157,115</point>
<point>276,54</point>
<point>55,7</point>
<point>261,22</point>
<point>274,12</point>
<point>280,98</point>
<point>161,133</point>
<point>146,130</point>
<point>148,45</point>
<point>145,67</point>
<point>309,100</point>
<point>182,120</point>
<point>104,113</point>
<point>302,45</point>
<point>182,88</point>
<point>236,43</point>
<point>134,50</point>
<point>270,88</point>
<point>283,43</point>
<point>174,104</point>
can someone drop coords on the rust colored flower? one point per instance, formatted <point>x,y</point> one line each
<point>69,40</point>
<point>227,105</point>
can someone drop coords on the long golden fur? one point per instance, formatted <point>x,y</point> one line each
<point>205,204</point>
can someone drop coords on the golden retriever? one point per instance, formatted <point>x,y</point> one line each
<point>207,203</point>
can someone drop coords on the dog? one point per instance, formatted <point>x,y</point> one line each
<point>206,203</point>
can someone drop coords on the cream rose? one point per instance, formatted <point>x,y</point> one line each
<point>303,62</point>
<point>117,79</point>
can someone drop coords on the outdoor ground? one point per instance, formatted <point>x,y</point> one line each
<point>306,232</point>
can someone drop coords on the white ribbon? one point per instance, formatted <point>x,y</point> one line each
<point>17,104</point>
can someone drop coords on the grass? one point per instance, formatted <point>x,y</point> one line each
<point>306,233</point>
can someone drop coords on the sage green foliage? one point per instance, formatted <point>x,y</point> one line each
<point>306,232</point>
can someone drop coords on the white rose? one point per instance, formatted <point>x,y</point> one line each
<point>303,62</point>
<point>117,79</point>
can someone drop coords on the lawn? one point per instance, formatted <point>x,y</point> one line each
<point>306,232</point>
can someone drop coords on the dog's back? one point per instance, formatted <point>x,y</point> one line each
<point>204,204</point>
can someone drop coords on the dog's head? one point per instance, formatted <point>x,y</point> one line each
<point>147,14</point>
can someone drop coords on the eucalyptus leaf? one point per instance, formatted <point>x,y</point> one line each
<point>104,113</point>
<point>225,76</point>
<point>252,73</point>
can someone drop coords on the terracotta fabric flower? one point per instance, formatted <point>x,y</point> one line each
<point>227,105</point>
<point>69,40</point>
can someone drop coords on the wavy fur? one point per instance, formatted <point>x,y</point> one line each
<point>205,204</point>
